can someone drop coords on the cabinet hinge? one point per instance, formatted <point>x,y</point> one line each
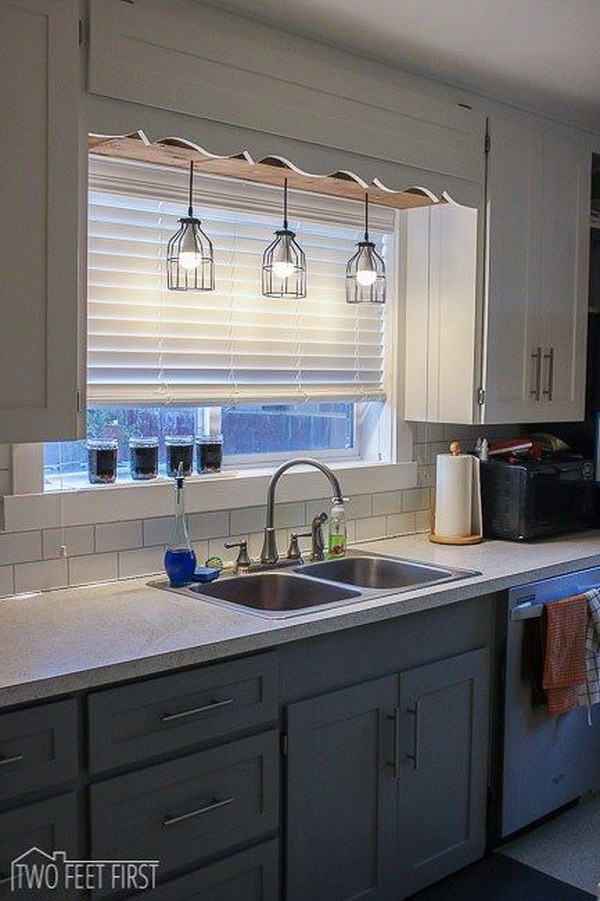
<point>284,744</point>
<point>487,143</point>
<point>481,396</point>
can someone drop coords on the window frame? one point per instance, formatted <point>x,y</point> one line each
<point>358,474</point>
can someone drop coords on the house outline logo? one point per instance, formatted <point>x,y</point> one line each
<point>36,869</point>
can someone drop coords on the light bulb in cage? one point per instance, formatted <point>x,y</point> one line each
<point>365,270</point>
<point>284,262</point>
<point>190,257</point>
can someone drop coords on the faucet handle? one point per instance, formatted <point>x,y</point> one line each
<point>243,561</point>
<point>294,552</point>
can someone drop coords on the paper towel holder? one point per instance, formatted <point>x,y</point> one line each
<point>455,450</point>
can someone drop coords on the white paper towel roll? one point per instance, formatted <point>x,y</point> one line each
<point>453,496</point>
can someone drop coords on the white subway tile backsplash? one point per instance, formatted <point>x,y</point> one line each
<point>246,520</point>
<point>20,547</point>
<point>425,476</point>
<point>422,521</point>
<point>415,499</point>
<point>77,539</point>
<point>93,568</point>
<point>390,502</point>
<point>208,525</point>
<point>143,561</point>
<point>5,482</point>
<point>157,530</point>
<point>358,506</point>
<point>7,581</point>
<point>371,527</point>
<point>400,524</point>
<point>119,536</point>
<point>41,575</point>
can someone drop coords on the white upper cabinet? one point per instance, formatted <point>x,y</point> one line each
<point>40,350</point>
<point>521,354</point>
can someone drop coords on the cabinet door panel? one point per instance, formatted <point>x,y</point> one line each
<point>341,800</point>
<point>514,204</point>
<point>48,826</point>
<point>442,786</point>
<point>564,281</point>
<point>41,358</point>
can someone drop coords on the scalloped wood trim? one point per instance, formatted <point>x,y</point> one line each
<point>268,171</point>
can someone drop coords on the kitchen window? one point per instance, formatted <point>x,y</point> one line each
<point>277,376</point>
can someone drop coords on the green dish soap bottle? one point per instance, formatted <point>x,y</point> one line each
<point>180,559</point>
<point>336,546</point>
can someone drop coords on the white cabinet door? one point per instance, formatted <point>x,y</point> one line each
<point>512,344</point>
<point>40,350</point>
<point>564,278</point>
<point>441,313</point>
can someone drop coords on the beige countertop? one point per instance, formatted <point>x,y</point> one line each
<point>66,640</point>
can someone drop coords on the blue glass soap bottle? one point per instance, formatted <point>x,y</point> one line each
<point>180,559</point>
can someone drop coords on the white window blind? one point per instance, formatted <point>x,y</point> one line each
<point>147,345</point>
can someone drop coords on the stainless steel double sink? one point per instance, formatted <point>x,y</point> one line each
<point>281,593</point>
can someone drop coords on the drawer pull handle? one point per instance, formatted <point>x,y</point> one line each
<point>214,705</point>
<point>4,761</point>
<point>172,821</point>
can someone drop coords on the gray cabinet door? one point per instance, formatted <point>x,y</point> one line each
<point>340,795</point>
<point>442,788</point>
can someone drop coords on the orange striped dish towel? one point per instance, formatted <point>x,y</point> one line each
<point>564,664</point>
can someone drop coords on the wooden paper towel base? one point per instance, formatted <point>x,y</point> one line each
<point>469,539</point>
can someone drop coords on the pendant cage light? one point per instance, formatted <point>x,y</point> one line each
<point>190,257</point>
<point>365,271</point>
<point>284,262</point>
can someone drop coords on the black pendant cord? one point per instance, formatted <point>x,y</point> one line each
<point>366,216</point>
<point>190,207</point>
<point>285,203</point>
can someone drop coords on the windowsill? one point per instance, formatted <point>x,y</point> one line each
<point>223,491</point>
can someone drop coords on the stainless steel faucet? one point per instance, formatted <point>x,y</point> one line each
<point>269,554</point>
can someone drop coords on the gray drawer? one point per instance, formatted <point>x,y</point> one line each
<point>251,875</point>
<point>184,810</point>
<point>38,747</point>
<point>170,713</point>
<point>50,826</point>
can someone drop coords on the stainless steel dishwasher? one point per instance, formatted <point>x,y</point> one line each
<point>543,762</point>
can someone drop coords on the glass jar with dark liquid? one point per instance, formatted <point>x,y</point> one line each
<point>179,449</point>
<point>143,458</point>
<point>102,461</point>
<point>209,453</point>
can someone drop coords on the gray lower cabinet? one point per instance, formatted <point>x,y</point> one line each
<point>28,833</point>
<point>387,782</point>
<point>341,809</point>
<point>443,768</point>
<point>251,875</point>
<point>181,812</point>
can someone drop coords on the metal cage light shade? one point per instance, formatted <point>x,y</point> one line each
<point>365,270</point>
<point>284,262</point>
<point>190,257</point>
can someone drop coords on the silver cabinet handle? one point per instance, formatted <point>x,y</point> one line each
<point>548,392</point>
<point>537,356</point>
<point>415,754</point>
<point>182,818</point>
<point>395,763</point>
<point>4,761</point>
<point>214,705</point>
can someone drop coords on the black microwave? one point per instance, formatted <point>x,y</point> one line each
<point>526,500</point>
